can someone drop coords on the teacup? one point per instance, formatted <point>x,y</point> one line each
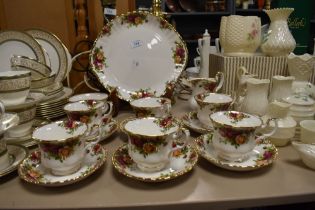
<point>26,112</point>
<point>151,106</point>
<point>202,85</point>
<point>89,96</point>
<point>90,112</point>
<point>62,145</point>
<point>14,87</point>
<point>235,133</point>
<point>150,141</point>
<point>209,103</point>
<point>308,131</point>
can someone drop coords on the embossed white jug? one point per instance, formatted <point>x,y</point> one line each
<point>256,98</point>
<point>241,36</point>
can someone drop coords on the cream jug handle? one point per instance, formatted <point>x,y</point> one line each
<point>219,77</point>
<point>241,71</point>
<point>264,135</point>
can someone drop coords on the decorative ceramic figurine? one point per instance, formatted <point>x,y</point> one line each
<point>253,104</point>
<point>207,85</point>
<point>302,67</point>
<point>234,134</point>
<point>279,40</point>
<point>286,124</point>
<point>281,87</point>
<point>242,35</point>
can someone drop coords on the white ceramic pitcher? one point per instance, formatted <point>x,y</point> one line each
<point>256,98</point>
<point>281,87</point>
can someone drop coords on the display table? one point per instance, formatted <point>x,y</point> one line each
<point>287,181</point>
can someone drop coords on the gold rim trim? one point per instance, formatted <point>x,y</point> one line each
<point>203,95</point>
<point>218,163</point>
<point>97,165</point>
<point>187,169</point>
<point>43,68</point>
<point>124,122</point>
<point>22,75</point>
<point>14,165</point>
<point>58,141</point>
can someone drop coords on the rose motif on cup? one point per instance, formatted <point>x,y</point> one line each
<point>99,59</point>
<point>59,151</point>
<point>234,137</point>
<point>179,53</point>
<point>165,123</point>
<point>146,146</point>
<point>254,33</point>
<point>69,125</point>
<point>134,19</point>
<point>236,116</point>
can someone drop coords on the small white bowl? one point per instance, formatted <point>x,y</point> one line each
<point>14,87</point>
<point>306,152</point>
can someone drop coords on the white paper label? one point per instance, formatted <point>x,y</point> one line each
<point>109,11</point>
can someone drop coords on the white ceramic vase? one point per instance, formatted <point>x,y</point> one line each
<point>279,40</point>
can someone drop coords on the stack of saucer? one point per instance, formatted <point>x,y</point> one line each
<point>53,107</point>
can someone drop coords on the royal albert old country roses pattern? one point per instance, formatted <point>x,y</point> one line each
<point>138,55</point>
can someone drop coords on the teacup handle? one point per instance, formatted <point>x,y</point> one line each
<point>108,111</point>
<point>219,77</point>
<point>198,51</point>
<point>182,131</point>
<point>264,135</point>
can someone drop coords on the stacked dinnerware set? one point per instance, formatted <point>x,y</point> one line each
<point>235,129</point>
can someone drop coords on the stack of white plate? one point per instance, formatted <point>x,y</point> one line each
<point>53,107</point>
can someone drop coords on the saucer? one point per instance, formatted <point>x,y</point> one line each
<point>32,171</point>
<point>109,129</point>
<point>263,155</point>
<point>191,121</point>
<point>25,141</point>
<point>182,161</point>
<point>16,154</point>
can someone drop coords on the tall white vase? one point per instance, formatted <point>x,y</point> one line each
<point>279,40</point>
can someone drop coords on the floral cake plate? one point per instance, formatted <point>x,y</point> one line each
<point>109,129</point>
<point>263,155</point>
<point>181,162</point>
<point>32,171</point>
<point>191,121</point>
<point>16,154</point>
<point>138,54</point>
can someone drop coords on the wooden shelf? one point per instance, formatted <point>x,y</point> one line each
<point>248,10</point>
<point>198,13</point>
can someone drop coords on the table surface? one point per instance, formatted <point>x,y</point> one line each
<point>286,181</point>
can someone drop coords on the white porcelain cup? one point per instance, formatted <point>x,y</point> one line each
<point>308,131</point>
<point>150,141</point>
<point>14,87</point>
<point>209,103</point>
<point>62,146</point>
<point>26,112</point>
<point>92,113</point>
<point>151,106</point>
<point>235,134</point>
